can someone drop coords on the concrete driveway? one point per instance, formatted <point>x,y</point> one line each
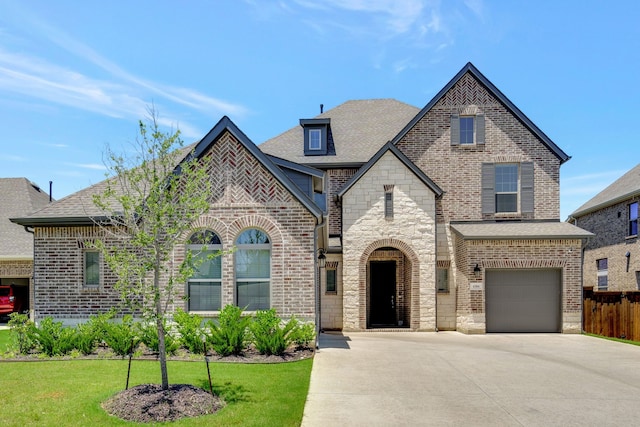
<point>451,379</point>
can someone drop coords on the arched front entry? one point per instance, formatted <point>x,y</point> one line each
<point>390,287</point>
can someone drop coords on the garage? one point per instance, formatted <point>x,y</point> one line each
<point>523,300</point>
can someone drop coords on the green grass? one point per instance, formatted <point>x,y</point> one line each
<point>613,339</point>
<point>69,393</point>
<point>4,340</point>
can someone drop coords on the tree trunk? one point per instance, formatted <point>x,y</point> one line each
<point>162,348</point>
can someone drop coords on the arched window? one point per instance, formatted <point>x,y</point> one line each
<point>204,286</point>
<point>253,270</point>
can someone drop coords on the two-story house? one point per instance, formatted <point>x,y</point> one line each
<point>612,257</point>
<point>453,224</point>
<point>373,214</point>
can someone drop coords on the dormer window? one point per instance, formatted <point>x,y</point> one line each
<point>316,133</point>
<point>315,139</point>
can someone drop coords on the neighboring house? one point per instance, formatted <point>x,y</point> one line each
<point>612,257</point>
<point>444,218</point>
<point>18,197</point>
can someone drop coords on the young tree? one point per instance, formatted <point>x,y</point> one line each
<point>151,199</point>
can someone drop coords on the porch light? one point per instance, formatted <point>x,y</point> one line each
<point>477,271</point>
<point>322,258</point>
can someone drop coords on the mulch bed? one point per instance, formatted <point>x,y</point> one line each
<point>149,403</point>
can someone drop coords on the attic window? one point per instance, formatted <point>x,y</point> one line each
<point>467,129</point>
<point>315,139</point>
<point>316,133</point>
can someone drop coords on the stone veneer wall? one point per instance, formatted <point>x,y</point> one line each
<point>331,303</point>
<point>517,254</point>
<point>610,226</point>
<point>412,231</point>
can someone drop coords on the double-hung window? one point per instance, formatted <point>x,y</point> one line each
<point>633,219</point>
<point>315,139</point>
<point>467,129</point>
<point>205,285</point>
<point>507,188</point>
<point>253,270</point>
<point>603,274</point>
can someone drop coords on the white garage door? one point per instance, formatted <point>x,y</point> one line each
<point>523,300</point>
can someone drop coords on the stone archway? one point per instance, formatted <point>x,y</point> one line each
<point>406,290</point>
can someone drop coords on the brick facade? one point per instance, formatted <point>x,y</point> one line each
<point>457,168</point>
<point>521,255</point>
<point>610,226</point>
<point>245,195</point>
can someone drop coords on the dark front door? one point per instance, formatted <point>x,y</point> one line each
<point>383,293</point>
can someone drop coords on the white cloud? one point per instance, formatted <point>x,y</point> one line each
<point>92,166</point>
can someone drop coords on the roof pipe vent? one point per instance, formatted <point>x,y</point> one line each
<point>50,191</point>
<point>321,108</point>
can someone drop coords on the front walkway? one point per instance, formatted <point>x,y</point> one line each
<point>447,378</point>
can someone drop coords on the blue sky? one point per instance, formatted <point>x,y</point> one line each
<point>76,75</point>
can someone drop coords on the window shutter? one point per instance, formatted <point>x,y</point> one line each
<point>479,128</point>
<point>526,187</point>
<point>488,188</point>
<point>455,129</point>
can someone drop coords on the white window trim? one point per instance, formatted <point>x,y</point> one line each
<point>473,138</point>
<point>602,273</point>
<point>319,133</point>
<point>517,192</point>
<point>196,249</point>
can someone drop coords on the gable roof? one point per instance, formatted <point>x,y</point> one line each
<point>471,69</point>
<point>18,196</point>
<point>225,124</point>
<point>357,131</point>
<point>400,156</point>
<point>79,209</point>
<point>625,187</point>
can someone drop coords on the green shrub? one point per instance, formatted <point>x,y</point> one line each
<point>304,334</point>
<point>191,334</point>
<point>22,333</point>
<point>54,339</point>
<point>99,324</point>
<point>86,339</point>
<point>121,336</point>
<point>229,336</point>
<point>268,333</point>
<point>149,337</point>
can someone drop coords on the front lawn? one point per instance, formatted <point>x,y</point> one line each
<point>69,393</point>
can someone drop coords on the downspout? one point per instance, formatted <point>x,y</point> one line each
<point>316,273</point>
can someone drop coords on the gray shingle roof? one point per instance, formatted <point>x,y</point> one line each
<point>520,230</point>
<point>403,159</point>
<point>627,186</point>
<point>359,129</point>
<point>79,209</point>
<point>18,197</point>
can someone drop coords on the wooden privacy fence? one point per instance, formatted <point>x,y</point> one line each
<point>612,314</point>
